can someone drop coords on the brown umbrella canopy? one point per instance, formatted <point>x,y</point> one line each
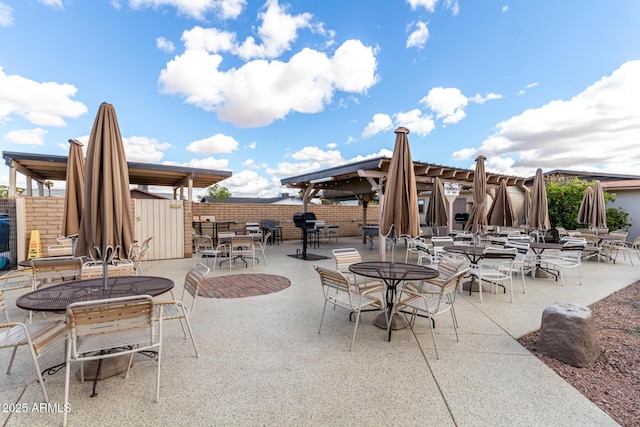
<point>501,212</point>
<point>539,213</point>
<point>599,212</point>
<point>74,193</point>
<point>477,222</point>
<point>436,215</point>
<point>526,207</point>
<point>106,218</point>
<point>584,213</point>
<point>400,203</point>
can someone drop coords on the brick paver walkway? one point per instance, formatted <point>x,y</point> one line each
<point>242,285</point>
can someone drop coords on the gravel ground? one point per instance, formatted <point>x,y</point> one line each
<point>613,381</point>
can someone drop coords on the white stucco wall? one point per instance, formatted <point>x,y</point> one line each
<point>629,200</point>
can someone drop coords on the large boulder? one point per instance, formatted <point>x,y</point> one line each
<point>567,333</point>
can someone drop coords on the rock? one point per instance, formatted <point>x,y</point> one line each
<point>567,333</point>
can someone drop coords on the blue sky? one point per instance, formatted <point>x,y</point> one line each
<point>272,89</point>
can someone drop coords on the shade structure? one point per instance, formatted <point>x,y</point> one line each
<point>599,211</point>
<point>106,223</point>
<point>539,212</point>
<point>74,192</point>
<point>477,223</point>
<point>400,203</point>
<point>526,207</point>
<point>501,212</point>
<point>584,212</point>
<point>436,215</point>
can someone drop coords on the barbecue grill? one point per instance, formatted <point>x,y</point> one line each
<point>304,221</point>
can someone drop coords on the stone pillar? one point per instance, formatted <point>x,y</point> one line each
<point>567,333</point>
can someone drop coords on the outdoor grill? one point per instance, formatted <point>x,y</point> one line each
<point>304,221</point>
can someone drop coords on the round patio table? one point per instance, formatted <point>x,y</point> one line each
<point>58,297</point>
<point>392,274</point>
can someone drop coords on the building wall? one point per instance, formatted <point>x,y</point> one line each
<point>349,218</point>
<point>45,214</point>
<point>628,199</point>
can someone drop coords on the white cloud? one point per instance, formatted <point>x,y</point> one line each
<point>215,144</point>
<point>447,103</point>
<point>453,6</point>
<point>43,104</point>
<point>26,136</point>
<point>430,5</point>
<point>529,86</point>
<point>277,31</point>
<point>208,163</point>
<point>327,158</point>
<point>55,4</point>
<point>599,127</point>
<point>248,183</point>
<point>196,9</point>
<point>379,123</point>
<point>261,91</point>
<point>6,15</point>
<point>418,38</point>
<point>144,149</point>
<point>165,45</point>
<point>505,8</point>
<point>252,145</point>
<point>415,122</point>
<point>332,145</point>
<point>210,40</point>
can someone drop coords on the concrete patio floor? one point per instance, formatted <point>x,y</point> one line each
<point>263,362</point>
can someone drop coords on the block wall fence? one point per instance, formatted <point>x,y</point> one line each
<point>45,214</point>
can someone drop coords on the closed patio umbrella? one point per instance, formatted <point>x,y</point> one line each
<point>436,215</point>
<point>526,207</point>
<point>106,223</point>
<point>584,212</point>
<point>501,212</point>
<point>477,223</point>
<point>599,211</point>
<point>74,192</point>
<point>539,213</point>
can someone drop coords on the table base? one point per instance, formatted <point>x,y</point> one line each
<point>472,286</point>
<point>397,322</point>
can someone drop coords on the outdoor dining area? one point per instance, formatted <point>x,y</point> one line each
<point>424,325</point>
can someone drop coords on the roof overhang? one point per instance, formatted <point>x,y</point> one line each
<point>354,179</point>
<point>42,167</point>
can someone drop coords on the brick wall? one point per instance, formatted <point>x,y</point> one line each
<point>45,214</point>
<point>349,218</point>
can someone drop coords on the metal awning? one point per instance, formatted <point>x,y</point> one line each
<point>355,179</point>
<point>41,168</point>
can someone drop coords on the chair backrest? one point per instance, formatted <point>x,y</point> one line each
<point>573,244</point>
<point>345,257</point>
<point>56,270</point>
<point>333,281</point>
<point>522,248</point>
<point>111,323</point>
<point>242,244</point>
<point>448,267</point>
<point>452,283</point>
<point>94,269</point>
<point>442,241</point>
<point>192,281</point>
<point>226,234</point>
<point>496,253</point>
<point>3,307</point>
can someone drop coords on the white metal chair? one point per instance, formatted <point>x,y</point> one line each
<point>344,257</point>
<point>620,245</point>
<point>339,292</point>
<point>14,280</point>
<point>524,260</point>
<point>176,309</point>
<point>437,298</point>
<point>496,267</point>
<point>570,256</point>
<point>261,245</point>
<point>39,337</point>
<point>122,326</point>
<point>242,247</point>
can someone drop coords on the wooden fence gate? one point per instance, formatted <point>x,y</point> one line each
<point>164,220</point>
